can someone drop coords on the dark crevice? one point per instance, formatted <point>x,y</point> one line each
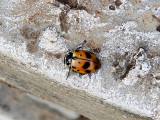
<point>157,77</point>
<point>63,19</point>
<point>158,28</point>
<point>80,7</point>
<point>118,2</point>
<point>71,3</point>
<point>122,71</point>
<point>128,68</point>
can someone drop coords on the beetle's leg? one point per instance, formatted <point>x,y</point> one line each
<point>68,73</point>
<point>80,75</point>
<point>64,59</point>
<point>95,50</point>
<point>89,76</point>
<point>81,45</point>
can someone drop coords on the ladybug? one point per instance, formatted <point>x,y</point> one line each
<point>82,61</point>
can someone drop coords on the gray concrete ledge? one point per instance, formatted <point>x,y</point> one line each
<point>35,35</point>
<point>79,101</point>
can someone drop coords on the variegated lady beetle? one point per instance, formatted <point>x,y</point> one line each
<point>82,61</point>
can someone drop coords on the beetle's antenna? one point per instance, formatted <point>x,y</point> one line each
<point>89,76</point>
<point>80,75</point>
<point>82,45</point>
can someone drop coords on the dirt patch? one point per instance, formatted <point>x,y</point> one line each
<point>123,64</point>
<point>157,18</point>
<point>37,12</point>
<point>118,2</point>
<point>128,67</point>
<point>52,41</point>
<point>29,33</point>
<point>63,19</point>
<point>32,46</point>
<point>32,36</point>
<point>56,55</point>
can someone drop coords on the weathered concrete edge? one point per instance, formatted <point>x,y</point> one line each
<point>17,75</point>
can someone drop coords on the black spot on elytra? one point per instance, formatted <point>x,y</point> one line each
<point>87,71</point>
<point>88,55</point>
<point>74,67</point>
<point>80,54</point>
<point>86,65</point>
<point>77,70</point>
<point>79,62</point>
<point>76,50</point>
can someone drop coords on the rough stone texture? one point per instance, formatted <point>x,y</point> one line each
<point>36,34</point>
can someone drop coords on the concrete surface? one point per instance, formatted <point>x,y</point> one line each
<point>36,34</point>
<point>15,105</point>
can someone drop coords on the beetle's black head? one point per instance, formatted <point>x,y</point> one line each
<point>68,58</point>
